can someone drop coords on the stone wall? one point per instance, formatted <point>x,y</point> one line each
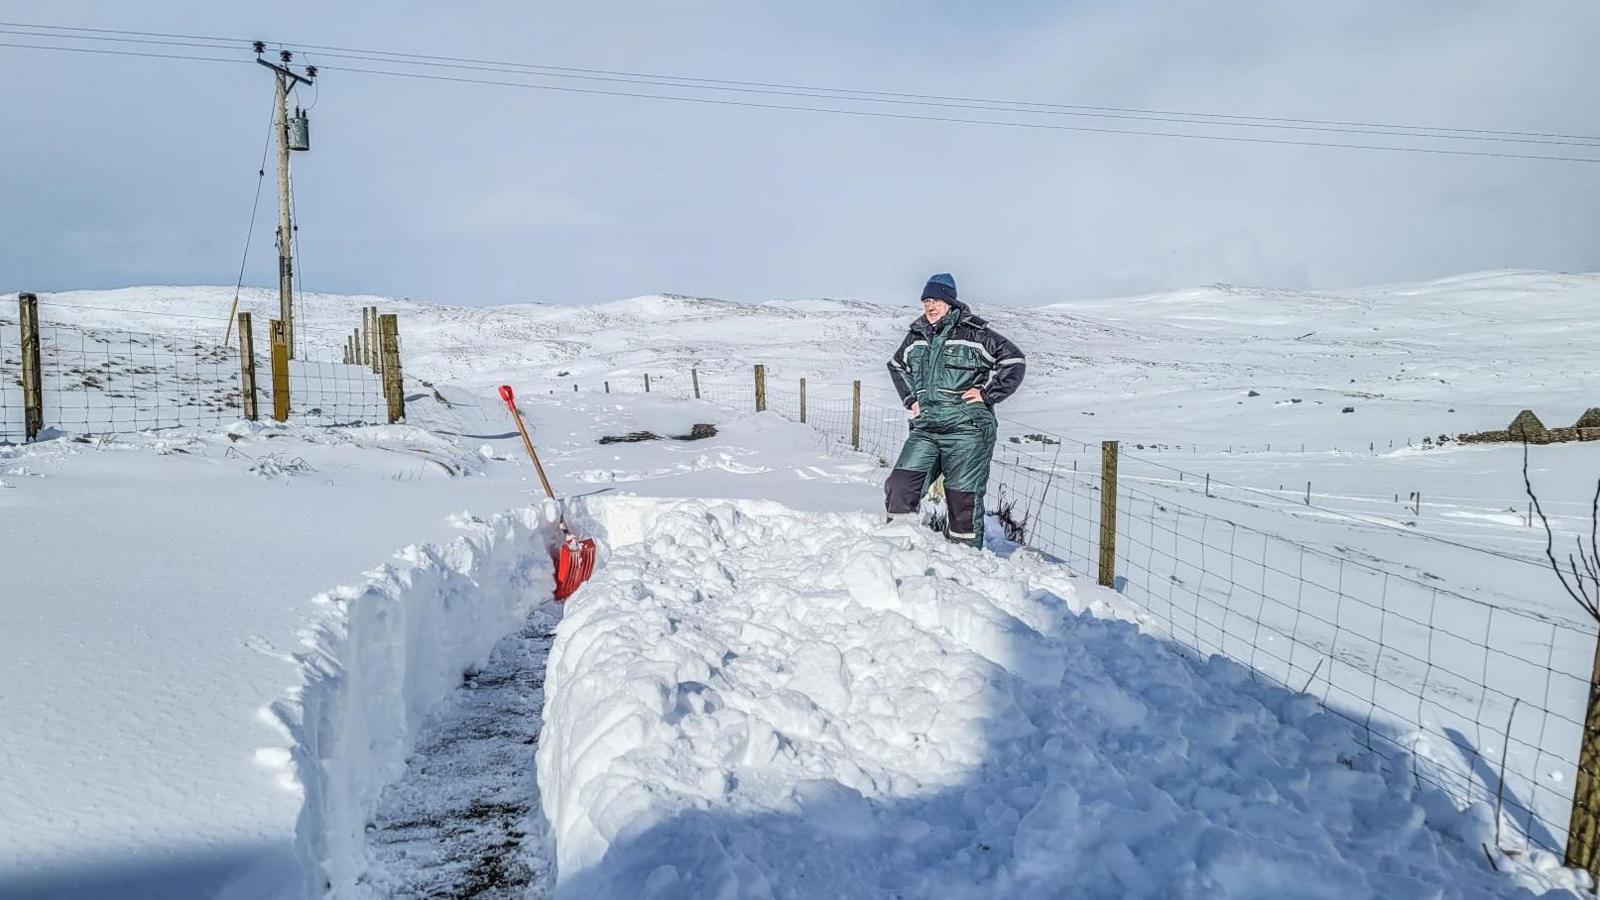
<point>1527,427</point>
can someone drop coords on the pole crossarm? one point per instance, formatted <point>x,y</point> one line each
<point>285,72</point>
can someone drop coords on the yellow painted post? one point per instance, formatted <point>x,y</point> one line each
<point>280,371</point>
<point>1108,513</point>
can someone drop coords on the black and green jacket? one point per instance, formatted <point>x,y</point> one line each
<point>936,364</point>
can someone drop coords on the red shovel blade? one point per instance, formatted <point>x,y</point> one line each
<point>508,395</point>
<point>574,565</point>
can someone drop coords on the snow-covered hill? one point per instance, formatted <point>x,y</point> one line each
<point>1485,345</point>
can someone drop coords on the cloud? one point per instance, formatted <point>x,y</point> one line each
<point>492,194</point>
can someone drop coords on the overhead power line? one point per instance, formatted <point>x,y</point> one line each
<point>1022,105</point>
<point>157,41</point>
<point>841,101</point>
<point>1045,126</point>
<point>979,105</point>
<point>1025,106</point>
<point>81,28</point>
<point>101,51</point>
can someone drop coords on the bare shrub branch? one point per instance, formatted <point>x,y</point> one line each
<point>1584,588</point>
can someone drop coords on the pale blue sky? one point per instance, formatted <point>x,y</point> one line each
<point>119,171</point>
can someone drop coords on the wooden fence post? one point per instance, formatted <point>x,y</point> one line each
<point>280,371</point>
<point>647,382</point>
<point>802,401</point>
<point>855,415</point>
<point>394,388</point>
<point>1108,513</point>
<point>247,369</point>
<point>694,375</point>
<point>355,346</point>
<point>364,339</point>
<point>375,342</point>
<point>761,388</point>
<point>1583,832</point>
<point>32,369</point>
<point>608,387</point>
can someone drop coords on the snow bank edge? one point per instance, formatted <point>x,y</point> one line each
<point>387,652</point>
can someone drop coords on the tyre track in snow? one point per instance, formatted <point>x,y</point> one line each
<point>464,819</point>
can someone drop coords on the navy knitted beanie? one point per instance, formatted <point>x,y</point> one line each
<point>941,286</point>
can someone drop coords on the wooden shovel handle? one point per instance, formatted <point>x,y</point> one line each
<point>528,443</point>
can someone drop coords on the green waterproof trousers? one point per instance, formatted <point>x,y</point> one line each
<point>955,440</point>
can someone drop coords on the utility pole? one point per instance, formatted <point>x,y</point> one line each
<point>286,79</point>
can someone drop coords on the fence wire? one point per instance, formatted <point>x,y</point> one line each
<point>1426,672</point>
<point>115,381</point>
<point>11,409</point>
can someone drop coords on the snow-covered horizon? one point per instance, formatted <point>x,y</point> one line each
<point>1400,287</point>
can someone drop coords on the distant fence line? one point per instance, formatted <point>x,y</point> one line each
<point>1449,688</point>
<point>82,380</point>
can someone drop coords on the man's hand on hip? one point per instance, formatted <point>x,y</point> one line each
<point>972,395</point>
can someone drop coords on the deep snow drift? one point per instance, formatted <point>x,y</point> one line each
<point>753,702</point>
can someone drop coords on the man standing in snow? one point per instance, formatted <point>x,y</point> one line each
<point>950,371</point>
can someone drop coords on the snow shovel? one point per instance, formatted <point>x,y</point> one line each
<point>575,560</point>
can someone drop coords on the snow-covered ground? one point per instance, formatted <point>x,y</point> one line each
<point>867,712</point>
<point>213,682</point>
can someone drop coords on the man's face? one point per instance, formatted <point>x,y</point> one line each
<point>934,309</point>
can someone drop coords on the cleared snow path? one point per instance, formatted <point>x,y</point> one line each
<point>464,820</point>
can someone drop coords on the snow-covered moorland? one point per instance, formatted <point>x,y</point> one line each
<point>216,686</point>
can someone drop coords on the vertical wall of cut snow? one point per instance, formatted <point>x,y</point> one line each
<point>387,652</point>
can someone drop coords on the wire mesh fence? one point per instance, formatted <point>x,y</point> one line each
<point>98,380</point>
<point>1479,700</point>
<point>104,382</point>
<point>1475,699</point>
<point>11,404</point>
<point>324,390</point>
